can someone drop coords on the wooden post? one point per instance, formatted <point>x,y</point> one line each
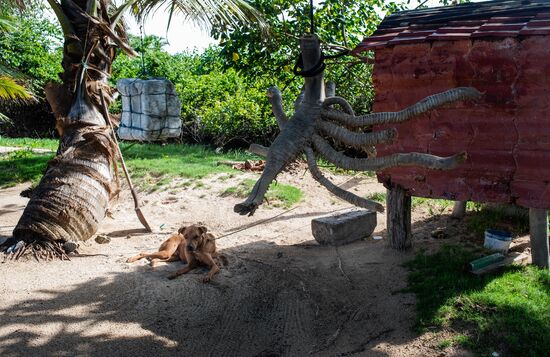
<point>398,218</point>
<point>459,209</point>
<point>538,229</point>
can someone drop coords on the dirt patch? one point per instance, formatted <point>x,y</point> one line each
<point>280,295</point>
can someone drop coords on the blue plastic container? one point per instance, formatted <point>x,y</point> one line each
<point>498,241</point>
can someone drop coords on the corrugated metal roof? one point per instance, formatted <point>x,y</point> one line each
<point>500,18</point>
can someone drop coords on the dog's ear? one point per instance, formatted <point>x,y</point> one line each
<point>203,229</point>
<point>181,230</point>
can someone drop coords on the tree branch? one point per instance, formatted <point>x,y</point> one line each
<point>339,101</point>
<point>357,140</point>
<point>330,89</point>
<point>423,106</point>
<point>335,190</point>
<point>373,164</point>
<point>276,99</point>
<point>300,98</point>
<point>258,149</point>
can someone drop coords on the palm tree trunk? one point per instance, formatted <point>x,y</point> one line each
<point>72,197</point>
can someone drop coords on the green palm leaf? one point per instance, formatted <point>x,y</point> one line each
<point>6,23</point>
<point>10,90</point>
<point>204,13</point>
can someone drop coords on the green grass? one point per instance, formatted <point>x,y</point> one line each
<point>376,197</point>
<point>481,217</point>
<point>50,144</point>
<point>152,166</point>
<point>434,206</point>
<point>507,312</point>
<point>22,166</point>
<point>278,195</point>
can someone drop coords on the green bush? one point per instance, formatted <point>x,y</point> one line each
<point>218,106</point>
<point>33,48</point>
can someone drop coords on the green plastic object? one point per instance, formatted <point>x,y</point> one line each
<point>485,261</point>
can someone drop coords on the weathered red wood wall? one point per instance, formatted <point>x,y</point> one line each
<point>506,135</point>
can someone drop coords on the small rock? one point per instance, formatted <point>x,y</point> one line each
<point>279,254</point>
<point>439,233</point>
<point>102,239</point>
<point>70,246</point>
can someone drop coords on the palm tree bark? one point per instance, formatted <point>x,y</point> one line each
<point>72,197</point>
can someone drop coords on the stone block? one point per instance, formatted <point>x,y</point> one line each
<point>343,228</point>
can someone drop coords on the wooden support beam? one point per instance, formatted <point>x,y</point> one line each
<point>459,209</point>
<point>538,229</point>
<point>398,218</point>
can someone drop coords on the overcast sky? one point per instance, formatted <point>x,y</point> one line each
<point>185,36</point>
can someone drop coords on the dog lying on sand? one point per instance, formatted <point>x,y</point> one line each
<point>192,245</point>
<point>168,251</point>
<point>197,248</point>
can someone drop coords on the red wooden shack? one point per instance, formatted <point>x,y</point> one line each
<point>502,48</point>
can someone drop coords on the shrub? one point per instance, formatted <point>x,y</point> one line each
<point>222,107</point>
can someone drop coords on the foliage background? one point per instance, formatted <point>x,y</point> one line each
<point>222,88</point>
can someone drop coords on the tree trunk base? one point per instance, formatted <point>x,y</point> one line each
<point>399,218</point>
<point>41,250</point>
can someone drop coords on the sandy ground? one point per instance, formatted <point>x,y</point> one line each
<point>280,295</point>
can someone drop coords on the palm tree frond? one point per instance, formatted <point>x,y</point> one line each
<point>6,71</point>
<point>117,16</point>
<point>10,90</point>
<point>205,13</point>
<point>62,18</point>
<point>6,23</point>
<point>4,118</point>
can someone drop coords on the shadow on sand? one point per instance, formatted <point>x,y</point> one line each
<point>269,301</point>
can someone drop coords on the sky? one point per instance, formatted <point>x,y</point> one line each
<point>184,36</point>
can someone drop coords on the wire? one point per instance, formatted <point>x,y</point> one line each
<point>143,70</point>
<point>312,23</point>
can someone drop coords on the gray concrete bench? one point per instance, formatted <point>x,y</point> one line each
<point>343,228</point>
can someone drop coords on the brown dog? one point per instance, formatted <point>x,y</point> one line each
<point>168,251</point>
<point>197,247</point>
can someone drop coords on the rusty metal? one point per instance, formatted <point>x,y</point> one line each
<point>506,135</point>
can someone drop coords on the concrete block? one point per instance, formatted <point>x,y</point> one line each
<point>344,228</point>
